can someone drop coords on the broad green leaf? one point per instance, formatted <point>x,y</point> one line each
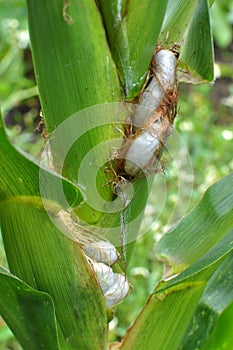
<point>72,61</point>
<point>219,292</point>
<point>163,321</point>
<point>201,229</point>
<point>165,318</point>
<point>222,336</point>
<point>39,254</point>
<point>197,57</point>
<point>219,250</point>
<point>176,21</point>
<point>20,175</point>
<point>47,260</point>
<point>132,30</point>
<point>217,297</point>
<point>187,25</point>
<point>29,313</point>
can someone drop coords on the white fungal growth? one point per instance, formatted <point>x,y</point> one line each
<point>74,230</point>
<point>150,100</point>
<point>114,286</point>
<point>92,245</point>
<point>100,255</point>
<point>104,275</point>
<point>47,157</point>
<point>165,63</point>
<point>141,152</point>
<point>152,124</point>
<point>101,251</point>
<point>118,290</point>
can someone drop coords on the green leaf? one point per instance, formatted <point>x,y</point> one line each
<point>29,313</point>
<point>42,256</point>
<point>20,176</point>
<point>187,25</point>
<point>73,64</point>
<point>201,229</point>
<point>219,292</point>
<point>165,319</point>
<point>197,57</point>
<point>176,21</point>
<point>132,29</point>
<point>217,297</point>
<point>222,336</point>
<point>47,260</point>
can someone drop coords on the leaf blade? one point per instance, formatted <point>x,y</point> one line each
<point>197,57</point>
<point>217,297</point>
<point>169,311</point>
<point>20,175</point>
<point>29,313</point>
<point>201,229</point>
<point>133,28</point>
<point>168,331</point>
<point>56,265</point>
<point>42,256</point>
<point>187,25</point>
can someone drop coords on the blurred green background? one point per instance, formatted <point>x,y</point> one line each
<point>205,123</point>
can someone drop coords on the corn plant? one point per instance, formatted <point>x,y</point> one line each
<point>91,61</point>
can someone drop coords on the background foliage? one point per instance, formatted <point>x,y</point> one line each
<point>205,123</point>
